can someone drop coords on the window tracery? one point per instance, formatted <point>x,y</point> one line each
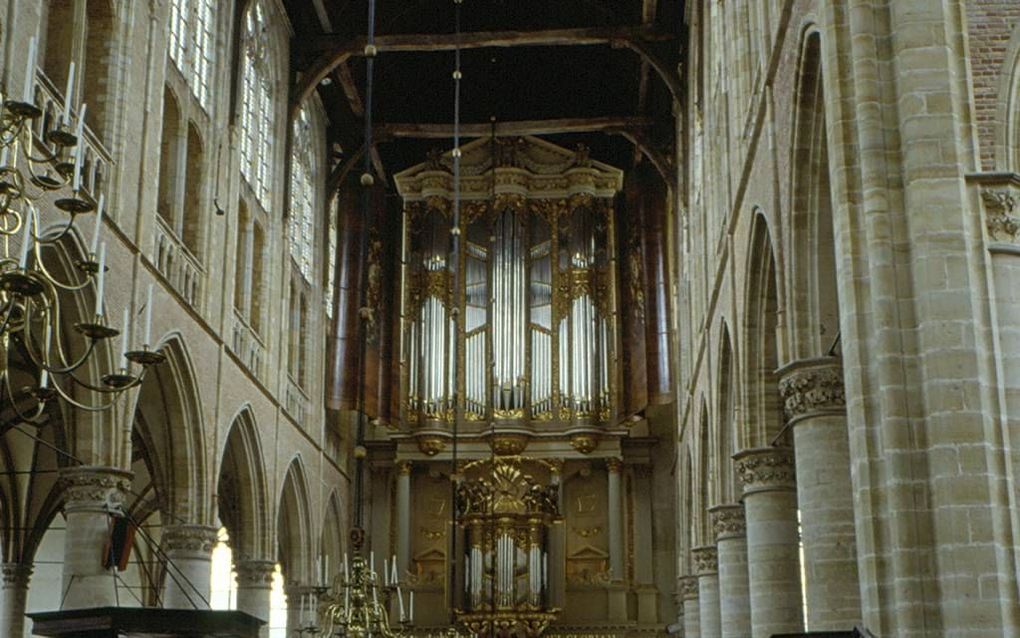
<point>192,43</point>
<point>257,106</point>
<point>302,197</point>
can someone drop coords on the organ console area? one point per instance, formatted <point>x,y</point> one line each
<point>546,357</point>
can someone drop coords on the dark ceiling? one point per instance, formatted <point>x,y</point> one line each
<point>510,83</point>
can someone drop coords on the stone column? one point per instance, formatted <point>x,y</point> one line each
<point>188,549</point>
<point>91,494</point>
<point>706,566</point>
<point>254,582</point>
<point>734,597</point>
<point>773,549</point>
<point>13,598</point>
<point>816,410</point>
<point>295,600</point>
<point>615,514</point>
<point>403,513</point>
<point>689,593</point>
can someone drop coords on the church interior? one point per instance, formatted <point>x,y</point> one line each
<point>510,318</point>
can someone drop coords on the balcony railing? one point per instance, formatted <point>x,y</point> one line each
<point>178,265</point>
<point>248,347</point>
<point>97,164</point>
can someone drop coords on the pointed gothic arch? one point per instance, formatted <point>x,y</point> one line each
<point>241,489</point>
<point>725,419</point>
<point>762,412</point>
<point>294,525</point>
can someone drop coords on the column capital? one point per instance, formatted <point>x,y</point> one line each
<point>94,488</point>
<point>16,574</point>
<point>190,539</point>
<point>404,468</point>
<point>688,586</point>
<point>614,465</point>
<point>1000,195</point>
<point>293,590</point>
<point>766,469</point>
<point>706,560</point>
<point>254,573</point>
<point>811,387</point>
<point>728,521</point>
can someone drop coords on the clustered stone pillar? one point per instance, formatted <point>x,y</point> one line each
<point>91,495</point>
<point>254,584</point>
<point>188,549</point>
<point>731,545</point>
<point>615,490</point>
<point>707,568</point>
<point>773,551</point>
<point>404,516</point>
<point>13,598</point>
<point>689,594</point>
<point>816,410</point>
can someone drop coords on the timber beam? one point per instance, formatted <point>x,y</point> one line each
<point>384,132</point>
<point>330,51</point>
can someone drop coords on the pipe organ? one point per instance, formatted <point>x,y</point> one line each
<point>538,341</point>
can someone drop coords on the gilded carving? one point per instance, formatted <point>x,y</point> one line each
<point>584,443</point>
<point>431,445</point>
<point>588,532</point>
<point>766,468</point>
<point>813,389</point>
<point>508,444</point>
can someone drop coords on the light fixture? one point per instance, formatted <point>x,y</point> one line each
<point>34,171</point>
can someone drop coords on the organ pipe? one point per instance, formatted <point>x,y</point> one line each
<point>653,200</point>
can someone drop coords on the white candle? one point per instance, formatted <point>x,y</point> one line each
<point>124,340</point>
<point>101,280</point>
<point>325,572</point>
<point>44,377</point>
<point>148,319</point>
<point>393,567</point>
<point>386,571</point>
<point>347,574</point>
<point>67,94</point>
<point>80,150</point>
<point>410,617</point>
<point>99,223</point>
<point>26,241</point>
<point>318,570</point>
<point>28,96</point>
<point>400,601</point>
<point>371,560</point>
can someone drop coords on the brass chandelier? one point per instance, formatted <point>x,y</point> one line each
<point>34,171</point>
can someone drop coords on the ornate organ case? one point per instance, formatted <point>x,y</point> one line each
<point>537,350</point>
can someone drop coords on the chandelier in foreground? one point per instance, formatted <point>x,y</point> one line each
<point>33,324</point>
<point>507,507</point>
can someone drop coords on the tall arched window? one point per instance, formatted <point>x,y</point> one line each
<point>302,196</point>
<point>331,256</point>
<point>256,106</point>
<point>192,43</point>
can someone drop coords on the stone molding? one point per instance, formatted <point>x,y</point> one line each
<point>688,588</point>
<point>1000,196</point>
<point>728,521</point>
<point>254,573</point>
<point>706,560</point>
<point>190,539</point>
<point>766,469</point>
<point>16,574</point>
<point>94,487</point>
<point>812,387</point>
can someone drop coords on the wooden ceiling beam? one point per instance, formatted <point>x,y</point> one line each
<point>331,51</point>
<point>391,131</point>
